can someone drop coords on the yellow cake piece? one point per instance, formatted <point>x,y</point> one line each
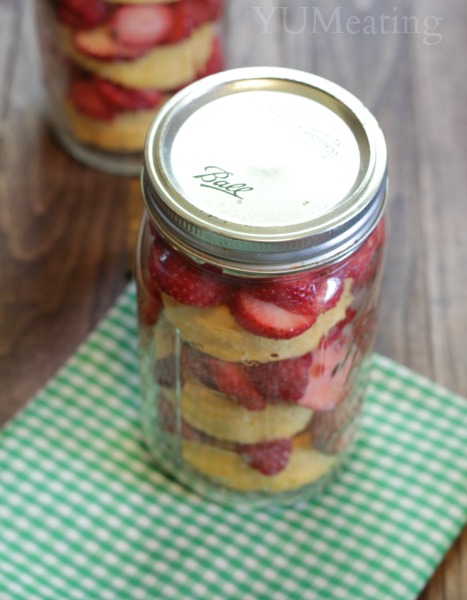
<point>164,68</point>
<point>214,331</point>
<point>126,132</point>
<point>214,414</point>
<point>227,468</point>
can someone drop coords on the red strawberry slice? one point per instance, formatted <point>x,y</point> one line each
<point>267,319</point>
<point>212,9</point>
<point>329,292</point>
<point>232,380</point>
<point>323,392</point>
<point>284,380</point>
<point>269,458</point>
<point>207,10</point>
<point>328,383</point>
<point>361,265</point>
<point>86,99</point>
<point>201,9</point>
<point>141,25</point>
<point>184,20</point>
<point>99,43</point>
<point>123,98</point>
<point>308,294</point>
<point>183,280</point>
<point>198,365</point>
<point>81,14</point>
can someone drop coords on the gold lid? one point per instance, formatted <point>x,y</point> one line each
<point>265,170</point>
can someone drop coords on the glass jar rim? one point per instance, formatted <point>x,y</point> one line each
<point>245,227</point>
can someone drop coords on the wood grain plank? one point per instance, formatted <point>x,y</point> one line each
<point>245,42</point>
<point>62,241</point>
<point>10,24</point>
<point>441,145</point>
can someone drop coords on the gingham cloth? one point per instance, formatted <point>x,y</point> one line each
<point>83,514</point>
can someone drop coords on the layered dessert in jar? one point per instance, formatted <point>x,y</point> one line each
<point>257,383</point>
<point>258,276</point>
<point>109,65</point>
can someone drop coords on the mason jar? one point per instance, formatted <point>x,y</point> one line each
<point>258,275</point>
<point>109,66</point>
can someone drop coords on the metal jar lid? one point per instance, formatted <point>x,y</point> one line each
<point>265,170</point>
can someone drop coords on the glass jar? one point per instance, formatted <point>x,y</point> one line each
<point>109,65</point>
<point>258,275</point>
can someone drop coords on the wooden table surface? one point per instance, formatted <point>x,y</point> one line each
<point>67,232</point>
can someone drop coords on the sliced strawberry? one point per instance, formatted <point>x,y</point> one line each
<point>361,265</point>
<point>86,99</point>
<point>232,380</point>
<point>284,380</point>
<point>197,365</point>
<point>141,26</point>
<point>329,292</point>
<point>212,9</point>
<point>269,458</point>
<point>331,353</point>
<point>267,319</point>
<point>100,44</point>
<point>207,10</point>
<point>124,98</point>
<point>184,20</point>
<point>229,378</point>
<point>183,280</point>
<point>201,10</point>
<point>328,382</point>
<point>81,14</point>
<point>308,294</point>
<point>324,392</point>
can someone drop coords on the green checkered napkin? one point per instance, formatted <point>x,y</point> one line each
<point>83,515</point>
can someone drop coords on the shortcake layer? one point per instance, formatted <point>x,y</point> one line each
<point>126,132</point>
<point>165,67</point>
<point>214,331</point>
<point>305,466</point>
<point>214,414</point>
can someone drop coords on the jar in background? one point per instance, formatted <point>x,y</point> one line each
<point>109,65</point>
<point>259,270</point>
